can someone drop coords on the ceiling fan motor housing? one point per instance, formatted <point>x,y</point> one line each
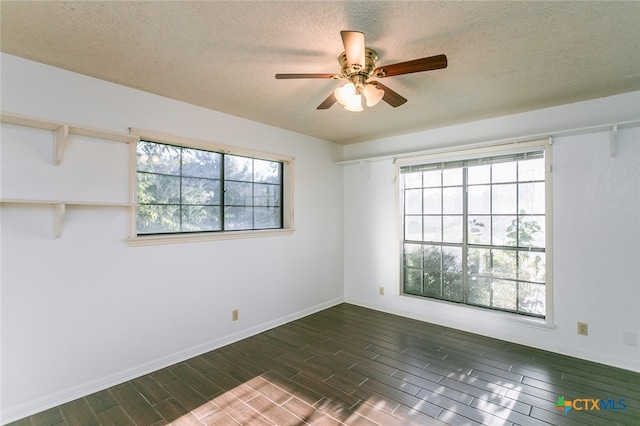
<point>358,74</point>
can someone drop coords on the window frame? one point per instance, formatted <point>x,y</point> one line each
<point>470,154</point>
<point>185,237</point>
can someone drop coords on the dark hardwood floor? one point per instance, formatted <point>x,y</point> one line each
<point>351,365</point>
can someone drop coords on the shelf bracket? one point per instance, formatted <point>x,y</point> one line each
<point>612,139</point>
<point>366,167</point>
<point>60,143</point>
<point>58,218</point>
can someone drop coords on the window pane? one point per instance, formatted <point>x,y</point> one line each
<point>479,291</point>
<point>452,200</point>
<point>266,171</point>
<point>200,191</point>
<point>503,230</point>
<point>452,177</point>
<point>452,287</point>
<point>238,218</point>
<point>531,231</point>
<point>433,228</point>
<point>238,168</point>
<point>158,189</point>
<point>154,219</point>
<point>504,199</point>
<point>158,158</point>
<point>504,294</point>
<point>432,178</point>
<point>238,193</point>
<point>266,195</point>
<point>198,163</point>
<point>479,199</point>
<point>479,230</point>
<point>412,180</point>
<point>432,258</point>
<point>433,284</point>
<point>200,218</point>
<point>531,266</point>
<point>531,198</point>
<point>432,201</point>
<point>266,217</point>
<point>452,259</point>
<point>479,174</point>
<point>478,261</point>
<point>413,255</point>
<point>452,229</point>
<point>504,263</point>
<point>413,201</point>
<point>413,228</point>
<point>532,298</point>
<point>529,170</point>
<point>503,172</point>
<point>413,281</point>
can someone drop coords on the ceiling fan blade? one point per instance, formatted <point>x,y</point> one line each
<point>354,48</point>
<point>291,76</point>
<point>327,103</point>
<point>417,65</point>
<point>390,97</point>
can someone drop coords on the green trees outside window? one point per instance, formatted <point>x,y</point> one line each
<point>182,190</point>
<point>474,232</point>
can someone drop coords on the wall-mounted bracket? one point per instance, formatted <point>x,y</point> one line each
<point>58,218</point>
<point>366,167</point>
<point>612,139</point>
<point>60,143</point>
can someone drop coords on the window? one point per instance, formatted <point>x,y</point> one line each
<point>475,230</point>
<point>188,190</point>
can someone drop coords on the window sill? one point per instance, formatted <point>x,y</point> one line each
<point>150,240</point>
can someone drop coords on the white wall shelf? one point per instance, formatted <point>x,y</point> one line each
<point>59,209</point>
<point>61,132</point>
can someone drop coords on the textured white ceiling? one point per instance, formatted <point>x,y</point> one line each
<point>504,57</point>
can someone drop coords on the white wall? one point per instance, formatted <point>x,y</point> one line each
<point>596,230</point>
<point>86,311</point>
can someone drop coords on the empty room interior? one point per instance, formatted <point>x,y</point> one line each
<point>332,212</point>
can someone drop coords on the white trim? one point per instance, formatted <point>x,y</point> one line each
<point>178,238</point>
<point>41,404</point>
<point>548,231</point>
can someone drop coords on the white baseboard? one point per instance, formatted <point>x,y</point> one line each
<point>542,345</point>
<point>21,411</point>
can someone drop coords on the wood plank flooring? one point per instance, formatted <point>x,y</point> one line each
<point>355,366</point>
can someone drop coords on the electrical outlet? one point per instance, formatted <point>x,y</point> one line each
<point>234,315</point>
<point>381,291</point>
<point>583,328</point>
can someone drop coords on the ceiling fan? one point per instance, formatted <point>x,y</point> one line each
<point>358,64</point>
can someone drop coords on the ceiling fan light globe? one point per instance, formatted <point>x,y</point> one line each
<point>344,93</point>
<point>354,104</point>
<point>372,94</point>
